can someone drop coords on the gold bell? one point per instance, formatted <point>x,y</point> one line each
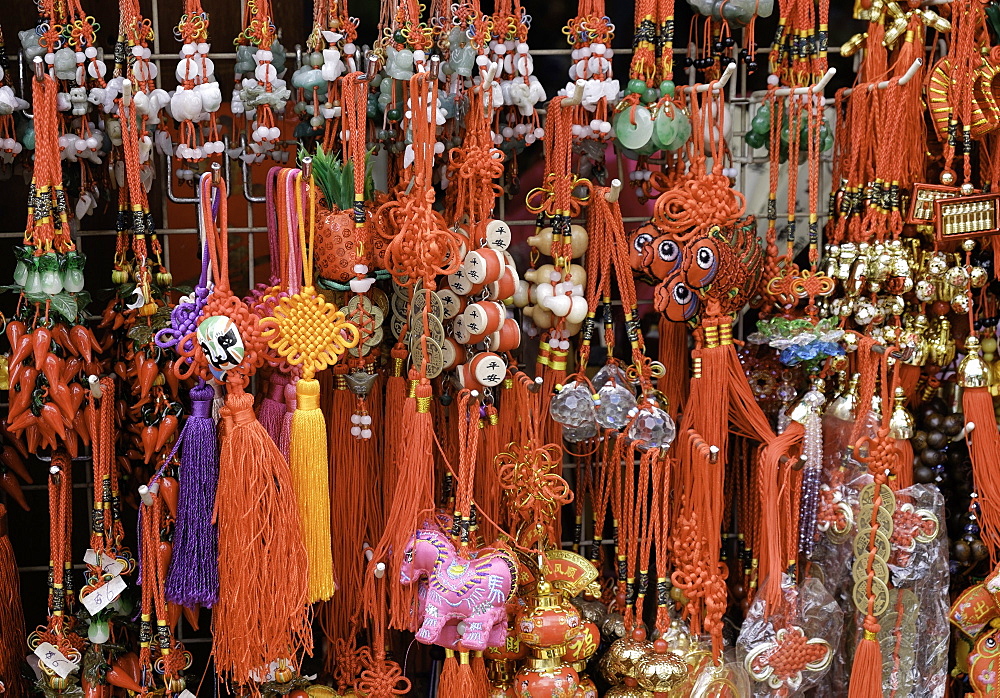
<point>661,672</point>
<point>973,372</point>
<point>901,424</point>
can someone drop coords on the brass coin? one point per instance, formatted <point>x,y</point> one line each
<point>435,330</point>
<point>359,301</point>
<point>396,326</point>
<point>380,299</point>
<point>883,517</point>
<point>371,340</point>
<point>880,593</point>
<point>866,498</point>
<point>436,308</point>
<point>860,570</point>
<point>435,362</point>
<point>861,541</point>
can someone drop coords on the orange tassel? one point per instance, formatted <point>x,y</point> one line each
<point>413,500</point>
<point>674,355</point>
<point>772,562</point>
<point>448,679</point>
<point>984,452</point>
<point>11,617</point>
<point>261,615</point>
<point>866,673</point>
<point>481,682</point>
<point>465,684</point>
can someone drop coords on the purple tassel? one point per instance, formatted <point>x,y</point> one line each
<point>285,439</point>
<point>193,577</point>
<point>271,413</point>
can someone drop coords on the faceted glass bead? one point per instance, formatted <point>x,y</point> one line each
<point>573,406</point>
<point>653,428</point>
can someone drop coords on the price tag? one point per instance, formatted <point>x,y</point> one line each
<point>109,565</point>
<point>103,595</point>
<point>50,656</point>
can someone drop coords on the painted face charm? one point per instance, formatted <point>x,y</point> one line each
<point>222,344</point>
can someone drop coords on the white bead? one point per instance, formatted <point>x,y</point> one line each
<point>599,49</point>
<point>355,419</point>
<point>204,48</point>
<point>555,276</point>
<point>539,132</point>
<point>137,51</point>
<point>355,431</point>
<point>274,133</point>
<point>189,49</point>
<point>772,79</point>
<point>501,49</point>
<point>90,52</point>
<point>360,269</point>
<point>482,61</point>
<point>366,419</point>
<point>366,433</point>
<point>419,56</point>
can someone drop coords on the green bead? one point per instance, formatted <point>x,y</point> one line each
<point>760,123</point>
<point>824,130</point>
<point>636,86</point>
<point>667,88</point>
<point>826,142</point>
<point>754,139</point>
<point>399,37</point>
<point>394,114</point>
<point>784,135</point>
<point>650,95</point>
<point>372,110</point>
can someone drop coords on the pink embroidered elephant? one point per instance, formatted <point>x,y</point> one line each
<point>454,589</point>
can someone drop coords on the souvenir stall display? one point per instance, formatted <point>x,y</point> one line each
<point>677,378</point>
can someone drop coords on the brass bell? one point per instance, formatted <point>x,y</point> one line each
<point>973,372</point>
<point>901,425</point>
<point>661,672</point>
<point>844,405</point>
<point>620,661</point>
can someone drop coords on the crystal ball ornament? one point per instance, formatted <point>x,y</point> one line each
<point>652,428</point>
<point>573,406</point>
<point>616,403</point>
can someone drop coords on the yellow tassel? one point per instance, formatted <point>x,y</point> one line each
<point>310,477</point>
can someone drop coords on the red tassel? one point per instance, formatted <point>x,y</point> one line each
<point>984,452</point>
<point>11,617</point>
<point>448,679</point>
<point>260,551</point>
<point>412,501</point>
<point>481,682</point>
<point>674,354</point>
<point>866,674</point>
